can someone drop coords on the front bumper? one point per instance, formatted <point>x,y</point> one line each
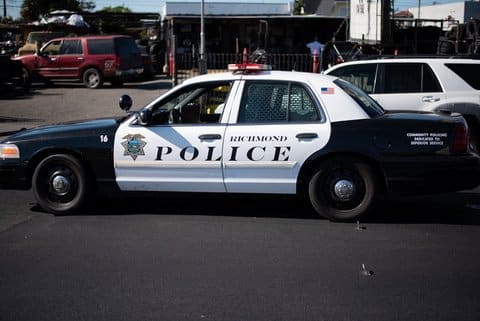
<point>14,177</point>
<point>424,175</point>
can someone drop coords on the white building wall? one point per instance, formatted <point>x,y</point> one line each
<point>441,11</point>
<point>366,20</point>
<point>234,8</point>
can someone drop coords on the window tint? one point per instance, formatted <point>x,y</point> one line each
<point>362,76</point>
<point>370,106</point>
<point>468,72</point>
<point>71,47</point>
<point>125,47</point>
<point>100,46</point>
<point>276,102</point>
<point>195,104</point>
<point>408,78</point>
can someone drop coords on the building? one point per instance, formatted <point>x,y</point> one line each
<point>454,11</point>
<point>225,8</point>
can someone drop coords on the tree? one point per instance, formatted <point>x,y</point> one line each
<point>298,7</point>
<point>32,9</point>
<point>117,9</point>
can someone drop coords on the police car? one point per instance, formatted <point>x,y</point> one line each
<point>252,131</point>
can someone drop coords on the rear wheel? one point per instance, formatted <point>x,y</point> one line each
<point>342,189</point>
<point>92,78</point>
<point>60,184</point>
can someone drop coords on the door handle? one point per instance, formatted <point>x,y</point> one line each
<point>80,58</point>
<point>307,136</point>
<point>429,99</point>
<point>210,137</point>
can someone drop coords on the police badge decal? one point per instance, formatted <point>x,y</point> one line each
<point>133,145</point>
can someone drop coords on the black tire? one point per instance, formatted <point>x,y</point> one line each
<point>26,78</point>
<point>92,78</point>
<point>116,83</point>
<point>474,132</point>
<point>342,189</point>
<point>60,184</point>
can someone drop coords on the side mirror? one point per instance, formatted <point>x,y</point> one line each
<point>125,102</point>
<point>144,116</point>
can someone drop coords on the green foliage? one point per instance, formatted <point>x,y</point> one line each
<point>6,20</point>
<point>117,9</point>
<point>297,7</point>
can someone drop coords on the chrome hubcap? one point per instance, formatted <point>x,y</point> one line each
<point>344,189</point>
<point>61,184</point>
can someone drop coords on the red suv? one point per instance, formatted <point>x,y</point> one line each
<point>91,59</point>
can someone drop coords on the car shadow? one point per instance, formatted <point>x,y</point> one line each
<point>453,208</point>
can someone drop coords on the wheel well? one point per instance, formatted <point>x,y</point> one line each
<point>37,158</point>
<point>312,164</point>
<point>91,67</point>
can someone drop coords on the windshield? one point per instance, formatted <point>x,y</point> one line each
<point>370,106</point>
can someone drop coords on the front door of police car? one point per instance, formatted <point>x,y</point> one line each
<point>181,148</point>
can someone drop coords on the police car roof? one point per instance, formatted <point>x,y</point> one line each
<point>313,78</point>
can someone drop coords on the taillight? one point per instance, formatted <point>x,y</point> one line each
<point>460,139</point>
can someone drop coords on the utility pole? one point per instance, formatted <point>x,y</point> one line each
<point>202,62</point>
<point>4,8</point>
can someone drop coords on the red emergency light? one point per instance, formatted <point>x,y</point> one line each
<point>248,67</point>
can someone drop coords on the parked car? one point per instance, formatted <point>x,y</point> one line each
<point>91,59</point>
<point>249,131</point>
<point>36,39</point>
<point>426,84</point>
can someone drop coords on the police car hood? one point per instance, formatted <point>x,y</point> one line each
<point>67,129</point>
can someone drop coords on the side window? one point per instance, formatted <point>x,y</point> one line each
<point>468,72</point>
<point>126,47</point>
<point>100,46</point>
<point>71,47</point>
<point>409,78</point>
<point>276,102</point>
<point>362,76</point>
<point>196,104</point>
<point>53,48</point>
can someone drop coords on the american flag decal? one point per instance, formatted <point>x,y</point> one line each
<point>327,90</point>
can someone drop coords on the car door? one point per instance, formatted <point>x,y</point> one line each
<point>407,86</point>
<point>276,127</point>
<point>181,147</point>
<point>71,58</point>
<point>47,60</point>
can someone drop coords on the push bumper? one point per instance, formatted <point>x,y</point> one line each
<point>424,175</point>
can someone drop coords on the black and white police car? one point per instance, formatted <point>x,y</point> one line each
<point>252,131</point>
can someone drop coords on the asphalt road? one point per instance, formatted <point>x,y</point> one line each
<point>185,257</point>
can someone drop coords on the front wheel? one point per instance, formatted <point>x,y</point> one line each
<point>60,184</point>
<point>342,189</point>
<point>92,78</point>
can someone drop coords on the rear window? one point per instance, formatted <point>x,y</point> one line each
<point>100,46</point>
<point>125,47</point>
<point>468,72</point>
<point>370,106</point>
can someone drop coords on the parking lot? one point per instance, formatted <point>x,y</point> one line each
<point>184,257</point>
<point>66,101</point>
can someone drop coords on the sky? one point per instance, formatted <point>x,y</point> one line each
<point>13,6</point>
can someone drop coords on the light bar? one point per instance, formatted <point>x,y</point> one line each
<point>249,67</point>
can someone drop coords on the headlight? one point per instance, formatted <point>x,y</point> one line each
<point>9,151</point>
